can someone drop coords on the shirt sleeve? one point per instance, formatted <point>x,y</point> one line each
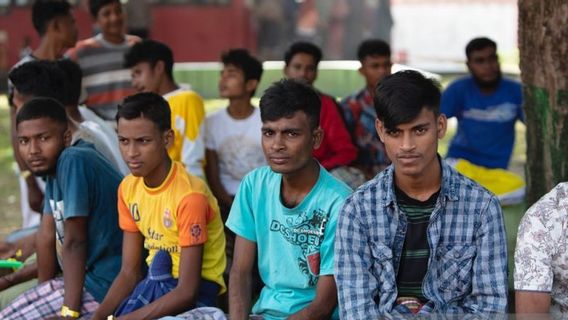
<point>489,272</point>
<point>193,146</point>
<point>538,234</point>
<point>125,219</point>
<point>210,133</point>
<point>193,213</point>
<point>241,217</point>
<point>342,151</point>
<point>75,180</point>
<point>450,104</point>
<point>46,205</point>
<point>356,285</point>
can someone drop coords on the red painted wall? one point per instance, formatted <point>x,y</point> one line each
<point>194,32</point>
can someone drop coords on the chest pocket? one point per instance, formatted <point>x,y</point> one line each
<point>454,268</point>
<point>383,270</point>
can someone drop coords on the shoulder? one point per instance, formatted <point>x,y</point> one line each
<point>219,115</point>
<point>261,175</point>
<point>511,85</point>
<point>460,84</point>
<point>371,197</point>
<point>333,187</point>
<point>550,210</point>
<point>464,192</point>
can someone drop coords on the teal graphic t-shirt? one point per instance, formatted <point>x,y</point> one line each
<point>294,245</point>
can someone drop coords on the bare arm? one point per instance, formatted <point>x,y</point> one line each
<point>532,302</point>
<point>213,177</point>
<point>240,280</point>
<point>24,274</point>
<point>183,296</point>
<point>128,277</point>
<point>74,260</point>
<point>324,303</point>
<point>45,244</point>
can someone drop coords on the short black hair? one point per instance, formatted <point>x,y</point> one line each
<point>42,107</point>
<point>146,105</point>
<point>39,78</point>
<point>303,47</point>
<point>400,97</point>
<point>479,44</point>
<point>73,80</point>
<point>373,47</point>
<point>242,59</point>
<point>150,51</point>
<point>288,96</point>
<point>44,11</point>
<point>96,5</point>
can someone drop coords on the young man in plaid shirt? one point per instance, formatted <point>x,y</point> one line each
<point>420,237</point>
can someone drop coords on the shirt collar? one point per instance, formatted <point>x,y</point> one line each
<point>449,189</point>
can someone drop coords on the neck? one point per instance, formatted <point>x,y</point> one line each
<point>296,185</point>
<point>159,175</point>
<point>48,50</point>
<point>167,86</point>
<point>115,39</point>
<point>371,90</point>
<point>240,108</point>
<point>74,114</point>
<point>421,187</point>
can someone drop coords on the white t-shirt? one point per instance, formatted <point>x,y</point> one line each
<point>237,143</point>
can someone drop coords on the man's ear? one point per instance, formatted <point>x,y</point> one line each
<point>251,85</point>
<point>442,125</point>
<point>379,126</point>
<point>67,137</point>
<point>318,137</point>
<point>168,137</point>
<point>159,67</point>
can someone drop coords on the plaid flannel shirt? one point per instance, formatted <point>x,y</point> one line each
<point>467,267</point>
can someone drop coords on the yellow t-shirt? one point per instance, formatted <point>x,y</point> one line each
<point>188,114</point>
<point>179,213</point>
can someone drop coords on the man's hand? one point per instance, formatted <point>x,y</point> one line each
<point>7,250</point>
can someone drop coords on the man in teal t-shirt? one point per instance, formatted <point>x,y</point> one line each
<point>286,214</point>
<point>79,227</point>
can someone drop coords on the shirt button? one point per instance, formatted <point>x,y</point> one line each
<point>457,255</point>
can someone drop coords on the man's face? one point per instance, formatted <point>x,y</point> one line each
<point>288,143</point>
<point>302,66</point>
<point>145,78</point>
<point>110,19</point>
<point>232,82</point>
<point>374,69</point>
<point>142,145</point>
<point>67,30</point>
<point>412,147</point>
<point>40,142</point>
<point>484,66</point>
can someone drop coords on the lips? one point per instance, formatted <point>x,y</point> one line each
<point>279,160</point>
<point>134,165</point>
<point>408,158</point>
<point>36,162</point>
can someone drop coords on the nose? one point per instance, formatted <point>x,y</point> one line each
<point>131,151</point>
<point>407,142</point>
<point>34,147</point>
<point>277,143</point>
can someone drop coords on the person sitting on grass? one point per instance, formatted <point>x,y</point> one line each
<point>164,209</point>
<point>79,226</point>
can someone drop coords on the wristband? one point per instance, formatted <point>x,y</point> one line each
<point>66,312</point>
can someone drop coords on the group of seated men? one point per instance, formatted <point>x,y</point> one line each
<point>150,209</point>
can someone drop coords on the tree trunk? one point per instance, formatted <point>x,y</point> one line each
<point>543,46</point>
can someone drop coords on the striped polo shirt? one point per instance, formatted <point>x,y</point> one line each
<point>105,79</point>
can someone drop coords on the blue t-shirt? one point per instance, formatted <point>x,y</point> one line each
<point>85,185</point>
<point>486,123</point>
<point>294,245</point>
